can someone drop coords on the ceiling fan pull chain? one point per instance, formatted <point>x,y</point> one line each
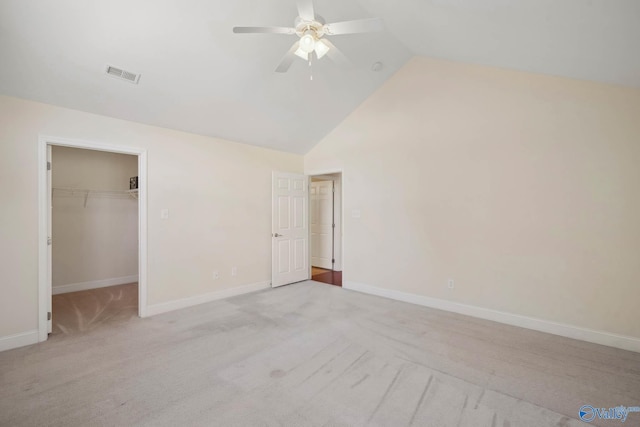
<point>310,68</point>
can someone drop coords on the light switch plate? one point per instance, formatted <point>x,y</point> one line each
<point>164,213</point>
<point>355,213</point>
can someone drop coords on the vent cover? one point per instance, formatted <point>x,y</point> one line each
<point>119,73</point>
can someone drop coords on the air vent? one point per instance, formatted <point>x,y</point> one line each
<point>119,73</point>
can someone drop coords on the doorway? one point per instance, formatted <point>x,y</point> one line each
<point>84,200</point>
<point>325,220</point>
<point>94,215</point>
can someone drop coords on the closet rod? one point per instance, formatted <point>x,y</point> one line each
<point>86,193</point>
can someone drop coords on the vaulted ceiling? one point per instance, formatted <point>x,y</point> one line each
<point>199,77</point>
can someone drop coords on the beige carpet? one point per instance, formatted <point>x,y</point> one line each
<point>313,355</point>
<point>87,310</point>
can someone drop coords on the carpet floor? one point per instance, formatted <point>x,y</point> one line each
<point>86,310</point>
<point>310,354</point>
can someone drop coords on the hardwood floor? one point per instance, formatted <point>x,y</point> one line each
<point>329,277</point>
<point>84,311</point>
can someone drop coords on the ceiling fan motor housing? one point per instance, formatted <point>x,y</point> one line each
<point>317,26</point>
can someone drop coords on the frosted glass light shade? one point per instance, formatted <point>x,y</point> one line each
<point>321,49</point>
<point>302,54</point>
<point>307,42</point>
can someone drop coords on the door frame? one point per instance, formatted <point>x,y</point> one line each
<point>44,214</point>
<point>339,264</point>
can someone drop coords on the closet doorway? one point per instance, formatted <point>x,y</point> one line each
<point>325,220</point>
<point>92,213</point>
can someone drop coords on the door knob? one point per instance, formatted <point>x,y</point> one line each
<point>278,235</point>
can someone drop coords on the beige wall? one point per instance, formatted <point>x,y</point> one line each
<point>218,194</point>
<point>96,240</point>
<point>523,188</point>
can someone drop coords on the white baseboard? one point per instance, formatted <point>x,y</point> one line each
<point>18,340</point>
<point>569,331</point>
<point>94,284</point>
<point>152,310</point>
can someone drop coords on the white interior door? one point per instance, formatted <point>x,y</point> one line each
<point>290,229</point>
<point>321,210</point>
<point>49,242</point>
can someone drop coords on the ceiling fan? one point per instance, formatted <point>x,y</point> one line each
<point>311,30</point>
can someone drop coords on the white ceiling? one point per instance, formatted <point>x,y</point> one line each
<point>199,77</point>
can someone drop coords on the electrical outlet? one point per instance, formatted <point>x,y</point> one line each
<point>216,275</point>
<point>234,271</point>
<point>450,284</point>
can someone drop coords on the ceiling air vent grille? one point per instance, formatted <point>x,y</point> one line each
<point>119,73</point>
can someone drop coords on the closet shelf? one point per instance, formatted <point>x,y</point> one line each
<point>86,193</point>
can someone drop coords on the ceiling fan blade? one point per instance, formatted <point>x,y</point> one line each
<point>266,30</point>
<point>335,54</point>
<point>368,25</point>
<point>305,10</point>
<point>288,59</point>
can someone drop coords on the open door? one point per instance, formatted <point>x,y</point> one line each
<point>49,243</point>
<point>290,229</point>
<point>322,224</point>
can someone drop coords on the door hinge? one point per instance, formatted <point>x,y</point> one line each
<point>333,261</point>
<point>333,226</point>
<point>49,241</point>
<point>48,166</point>
<point>48,315</point>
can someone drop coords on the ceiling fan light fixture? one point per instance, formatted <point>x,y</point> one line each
<point>308,42</point>
<point>321,49</point>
